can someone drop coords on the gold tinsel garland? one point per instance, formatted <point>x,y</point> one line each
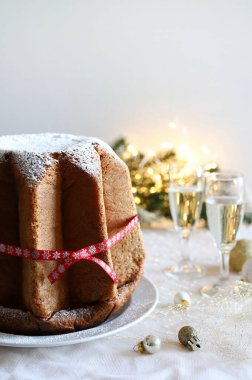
<point>149,175</point>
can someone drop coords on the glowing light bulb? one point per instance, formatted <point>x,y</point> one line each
<point>184,152</point>
<point>150,153</point>
<point>172,125</point>
<point>150,171</point>
<point>205,150</point>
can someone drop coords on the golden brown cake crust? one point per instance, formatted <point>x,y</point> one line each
<point>64,321</point>
<point>64,199</point>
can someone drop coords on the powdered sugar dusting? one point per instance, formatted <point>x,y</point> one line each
<point>86,158</point>
<point>47,143</point>
<point>6,312</point>
<point>33,165</point>
<point>105,147</point>
<point>39,143</point>
<point>34,152</point>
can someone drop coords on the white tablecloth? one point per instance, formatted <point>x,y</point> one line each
<point>225,329</point>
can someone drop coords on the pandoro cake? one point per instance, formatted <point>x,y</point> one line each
<point>64,192</point>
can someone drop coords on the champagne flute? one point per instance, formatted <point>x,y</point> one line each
<point>224,204</point>
<point>186,183</point>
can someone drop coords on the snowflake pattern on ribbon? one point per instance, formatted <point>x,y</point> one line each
<point>68,258</point>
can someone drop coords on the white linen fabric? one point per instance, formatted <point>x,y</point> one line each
<point>224,326</point>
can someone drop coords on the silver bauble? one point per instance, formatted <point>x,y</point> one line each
<point>151,344</point>
<point>182,298</point>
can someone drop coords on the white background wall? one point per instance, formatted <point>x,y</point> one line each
<point>130,67</point>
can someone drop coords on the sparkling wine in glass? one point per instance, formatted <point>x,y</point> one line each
<point>224,204</point>
<point>185,199</point>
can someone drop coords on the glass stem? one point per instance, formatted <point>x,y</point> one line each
<point>184,236</point>
<point>224,264</point>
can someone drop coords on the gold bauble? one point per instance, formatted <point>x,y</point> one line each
<point>240,253</point>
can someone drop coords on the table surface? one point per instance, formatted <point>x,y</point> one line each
<point>224,326</point>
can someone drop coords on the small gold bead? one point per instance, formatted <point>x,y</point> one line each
<point>185,303</point>
<point>140,347</point>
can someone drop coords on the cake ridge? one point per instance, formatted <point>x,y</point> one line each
<point>38,150</point>
<point>48,143</point>
<point>38,162</point>
<point>64,192</point>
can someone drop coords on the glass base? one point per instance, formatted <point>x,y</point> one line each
<point>211,290</point>
<point>185,269</point>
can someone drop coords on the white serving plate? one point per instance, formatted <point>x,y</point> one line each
<point>141,304</point>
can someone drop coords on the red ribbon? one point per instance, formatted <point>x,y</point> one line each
<point>68,258</point>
